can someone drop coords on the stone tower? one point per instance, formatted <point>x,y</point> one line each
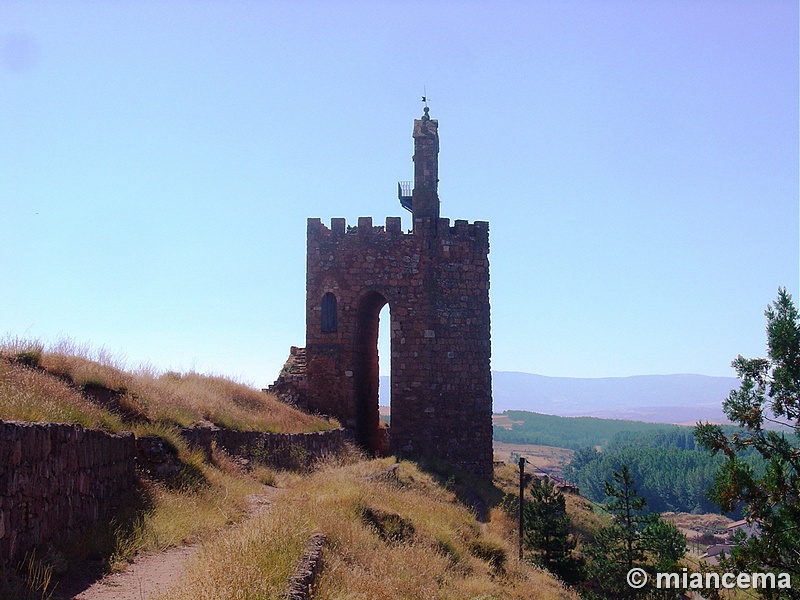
<point>436,282</point>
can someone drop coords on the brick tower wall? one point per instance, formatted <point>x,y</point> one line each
<point>436,281</point>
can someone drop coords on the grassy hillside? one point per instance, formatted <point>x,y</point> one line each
<point>71,384</point>
<point>393,532</point>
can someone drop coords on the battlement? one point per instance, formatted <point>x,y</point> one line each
<point>460,230</point>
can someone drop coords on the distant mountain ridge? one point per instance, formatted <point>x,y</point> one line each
<point>681,398</point>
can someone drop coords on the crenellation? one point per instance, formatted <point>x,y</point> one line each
<point>477,232</point>
<point>338,225</point>
<point>314,226</point>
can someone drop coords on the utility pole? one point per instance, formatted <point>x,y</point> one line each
<point>521,500</point>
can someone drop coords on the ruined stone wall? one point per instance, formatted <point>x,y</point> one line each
<point>436,281</point>
<point>291,385</point>
<point>280,450</point>
<point>56,480</point>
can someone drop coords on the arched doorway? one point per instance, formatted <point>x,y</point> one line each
<point>370,434</point>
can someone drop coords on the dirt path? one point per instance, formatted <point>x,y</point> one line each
<point>152,574</point>
<point>147,576</point>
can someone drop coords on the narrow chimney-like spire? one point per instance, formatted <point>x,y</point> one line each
<point>425,203</point>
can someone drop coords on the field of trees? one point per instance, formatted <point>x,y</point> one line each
<point>671,479</point>
<point>669,468</point>
<point>569,432</point>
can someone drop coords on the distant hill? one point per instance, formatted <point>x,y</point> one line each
<point>655,398</point>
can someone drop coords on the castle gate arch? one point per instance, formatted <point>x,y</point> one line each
<point>366,374</point>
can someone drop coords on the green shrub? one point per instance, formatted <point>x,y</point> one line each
<point>489,551</point>
<point>391,527</point>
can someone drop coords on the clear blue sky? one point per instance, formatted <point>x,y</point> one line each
<point>637,162</point>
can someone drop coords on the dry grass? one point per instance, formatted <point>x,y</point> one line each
<point>210,497</point>
<point>225,403</point>
<point>709,521</point>
<point>585,519</point>
<point>185,516</point>
<point>440,551</point>
<point>30,395</point>
<point>539,458</point>
<point>44,384</point>
<point>82,365</point>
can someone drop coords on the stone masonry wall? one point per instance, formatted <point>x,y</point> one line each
<point>280,450</point>
<point>436,282</point>
<point>56,480</point>
<point>291,385</point>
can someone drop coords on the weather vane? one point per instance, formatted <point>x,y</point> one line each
<point>425,96</point>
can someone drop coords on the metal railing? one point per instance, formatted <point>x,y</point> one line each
<point>404,194</point>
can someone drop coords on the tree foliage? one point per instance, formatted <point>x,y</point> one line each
<point>769,393</point>
<point>627,509</point>
<point>568,432</point>
<point>547,534</point>
<point>670,479</point>
<point>635,538</point>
